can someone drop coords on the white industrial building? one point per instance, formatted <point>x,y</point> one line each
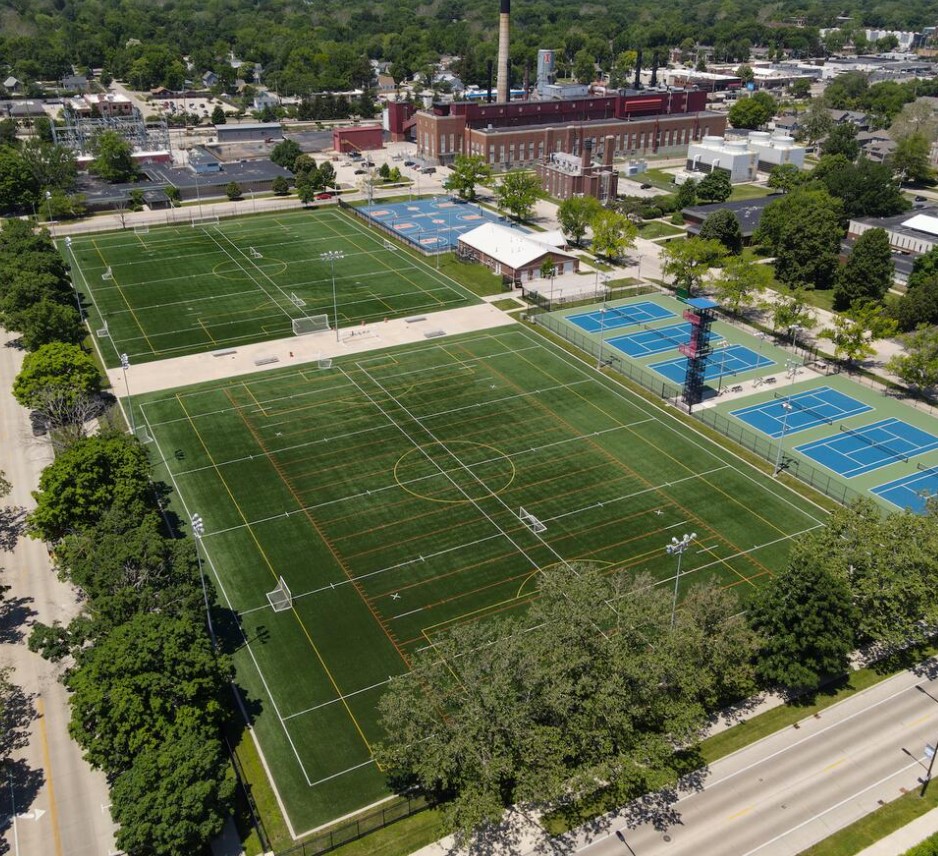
<point>741,159</point>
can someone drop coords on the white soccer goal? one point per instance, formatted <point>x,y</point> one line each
<point>108,274</point>
<point>142,230</point>
<point>205,220</point>
<point>296,300</point>
<point>389,245</point>
<point>310,324</point>
<point>531,521</point>
<point>255,254</point>
<point>102,332</point>
<point>325,362</point>
<point>280,598</point>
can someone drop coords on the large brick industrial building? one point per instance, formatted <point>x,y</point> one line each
<point>517,134</point>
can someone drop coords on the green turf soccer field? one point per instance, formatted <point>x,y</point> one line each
<point>178,290</point>
<point>386,490</point>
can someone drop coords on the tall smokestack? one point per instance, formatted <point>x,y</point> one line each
<point>489,97</point>
<point>501,84</point>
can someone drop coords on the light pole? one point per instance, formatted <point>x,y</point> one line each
<point>787,408</point>
<point>198,531</point>
<point>724,346</point>
<point>125,364</point>
<point>333,256</point>
<point>602,334</point>
<point>795,330</point>
<point>49,204</point>
<point>677,548</point>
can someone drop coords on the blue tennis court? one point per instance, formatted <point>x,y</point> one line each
<point>808,409</point>
<point>433,224</point>
<point>620,316</point>
<point>655,340</point>
<point>729,361</point>
<point>912,492</point>
<point>855,452</point>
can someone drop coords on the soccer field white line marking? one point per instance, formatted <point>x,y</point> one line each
<point>670,422</point>
<point>87,290</point>
<point>250,262</point>
<point>247,645</point>
<point>336,700</point>
<point>247,642</point>
<point>325,779</point>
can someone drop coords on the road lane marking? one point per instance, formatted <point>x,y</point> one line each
<point>47,764</point>
<point>741,813</point>
<point>836,763</point>
<point>834,807</point>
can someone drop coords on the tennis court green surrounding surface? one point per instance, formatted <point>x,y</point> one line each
<point>175,290</point>
<point>403,492</point>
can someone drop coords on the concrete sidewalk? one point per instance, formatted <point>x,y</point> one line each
<point>907,837</point>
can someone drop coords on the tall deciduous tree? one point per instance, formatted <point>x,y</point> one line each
<point>786,177</point>
<point>853,337</point>
<point>715,187</point>
<point>918,366</point>
<point>468,172</point>
<point>517,192</point>
<point>792,310</point>
<point>803,231</point>
<point>741,283</point>
<point>113,159</point>
<point>910,159</point>
<point>806,619</point>
<point>688,261</point>
<point>86,480</point>
<point>868,273</point>
<point>576,214</point>
<point>842,140</point>
<point>723,226</point>
<point>613,234</point>
<point>60,367</point>
<point>752,112</point>
<point>816,123</point>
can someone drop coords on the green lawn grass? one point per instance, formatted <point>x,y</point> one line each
<point>870,829</point>
<point>507,304</point>
<point>749,191</point>
<point>386,491</point>
<point>657,229</point>
<point>178,290</point>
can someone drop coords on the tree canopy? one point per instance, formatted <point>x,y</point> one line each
<point>517,192</point>
<point>576,214</point>
<point>723,226</point>
<point>59,369</point>
<point>468,172</point>
<point>868,273</point>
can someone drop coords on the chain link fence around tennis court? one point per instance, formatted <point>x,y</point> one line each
<point>330,839</point>
<point>760,446</point>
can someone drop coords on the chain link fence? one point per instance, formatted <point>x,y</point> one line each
<point>758,445</point>
<point>329,839</point>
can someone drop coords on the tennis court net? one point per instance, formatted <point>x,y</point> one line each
<point>797,404</point>
<point>893,453</point>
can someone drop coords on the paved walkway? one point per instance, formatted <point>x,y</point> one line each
<point>298,350</point>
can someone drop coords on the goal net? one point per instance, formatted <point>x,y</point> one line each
<point>325,362</point>
<point>255,254</point>
<point>388,245</point>
<point>101,332</point>
<point>108,274</point>
<point>280,598</point>
<point>531,521</point>
<point>141,230</point>
<point>310,324</point>
<point>296,300</point>
<point>206,220</point>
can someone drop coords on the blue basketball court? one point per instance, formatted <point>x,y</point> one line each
<point>912,492</point>
<point>733,360</point>
<point>821,406</point>
<point>852,453</point>
<point>620,316</point>
<point>433,224</point>
<point>655,340</point>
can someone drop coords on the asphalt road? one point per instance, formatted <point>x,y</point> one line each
<point>794,788</point>
<point>61,804</point>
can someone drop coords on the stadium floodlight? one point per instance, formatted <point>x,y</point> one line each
<point>677,548</point>
<point>125,364</point>
<point>49,204</point>
<point>602,327</point>
<point>198,532</point>
<point>333,256</point>
<point>786,408</point>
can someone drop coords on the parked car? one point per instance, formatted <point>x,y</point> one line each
<point>410,163</point>
<point>428,170</point>
<point>645,186</point>
<point>39,424</point>
<point>324,196</point>
<point>921,199</point>
<point>360,171</point>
